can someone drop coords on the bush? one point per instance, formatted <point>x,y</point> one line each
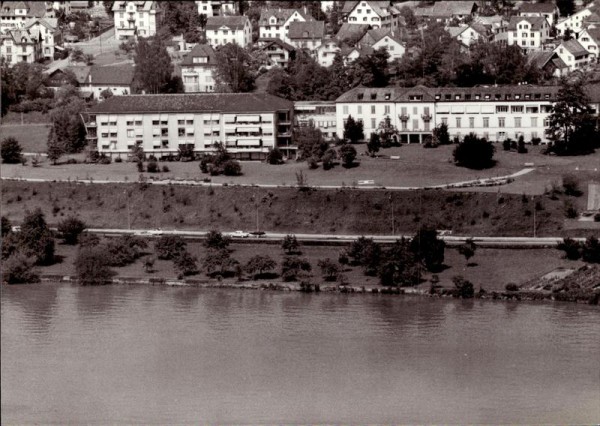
<point>70,229</point>
<point>464,288</point>
<point>597,217</point>
<point>258,265</point>
<point>140,166</point>
<point>152,166</point>
<point>506,144</point>
<point>535,141</point>
<point>125,250</point>
<point>290,244</point>
<point>591,250</point>
<point>294,267</point>
<point>216,240</point>
<point>275,156</point>
<point>36,239</point>
<point>232,168</point>
<point>521,146</point>
<point>571,248</point>
<point>165,169</point>
<point>185,264</point>
<point>474,153</point>
<point>570,185</point>
<point>511,287</point>
<point>570,210</point>
<point>92,266</point>
<point>428,248</point>
<point>118,160</point>
<point>10,151</point>
<point>329,269</point>
<point>168,247</point>
<point>348,154</point>
<point>18,269</point>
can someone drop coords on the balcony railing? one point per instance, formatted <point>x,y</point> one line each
<point>426,117</point>
<point>403,117</point>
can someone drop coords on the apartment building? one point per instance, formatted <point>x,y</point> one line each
<point>248,124</point>
<point>575,22</point>
<point>197,69</point>
<point>14,14</point>
<point>51,36</point>
<point>573,54</point>
<point>221,30</point>
<point>20,46</point>
<point>317,114</point>
<point>529,33</point>
<point>377,14</point>
<point>495,113</point>
<point>543,10</point>
<point>275,23</point>
<point>217,7</point>
<point>136,18</point>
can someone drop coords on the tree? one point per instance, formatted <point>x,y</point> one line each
<point>310,142</point>
<point>36,239</point>
<point>294,267</point>
<point>467,249</point>
<point>259,265</point>
<point>388,133</point>
<point>232,168</point>
<point>153,66</point>
<point>409,17</point>
<point>371,70</point>
<point>373,144</point>
<point>464,288</point>
<point>571,248</point>
<point>353,130</point>
<point>202,20</point>
<point>185,264</point>
<point>570,184</point>
<point>400,266</point>
<point>565,7</point>
<point>329,269</point>
<point>591,250</point>
<point>67,134</point>
<point>77,55</point>
<point>428,248</point>
<point>11,151</point>
<point>474,153</point>
<point>216,240</point>
<point>572,128</point>
<point>290,244</point>
<point>125,249</point>
<point>235,70</point>
<point>348,154</point>
<point>275,156</point>
<point>70,229</point>
<point>92,266</point>
<point>367,253</point>
<point>441,135</point>
<point>18,269</point>
<point>6,227</point>
<point>106,94</point>
<point>168,247</point>
<point>218,262</point>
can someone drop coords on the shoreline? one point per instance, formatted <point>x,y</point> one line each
<point>519,295</point>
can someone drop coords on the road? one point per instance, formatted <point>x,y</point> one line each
<point>451,240</point>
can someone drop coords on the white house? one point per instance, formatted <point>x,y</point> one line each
<point>248,124</point>
<point>382,37</point>
<point>590,40</point>
<point>275,23</point>
<point>217,7</point>
<point>469,34</point>
<point>116,78</point>
<point>221,30</point>
<point>14,14</point>
<point>325,54</point>
<point>49,32</point>
<point>529,33</point>
<point>306,34</point>
<point>136,18</point>
<point>575,22</point>
<point>278,52</point>
<point>573,54</point>
<point>197,69</point>
<point>377,14</point>
<point>20,46</point>
<point>544,10</point>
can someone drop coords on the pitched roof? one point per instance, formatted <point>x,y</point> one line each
<point>50,23</point>
<point>594,33</point>
<point>232,22</point>
<point>34,8</point>
<point>537,22</point>
<point>452,8</point>
<point>24,36</point>
<point>348,31</point>
<point>377,5</point>
<point>192,102</point>
<point>81,72</point>
<point>282,15</point>
<point>376,34</point>
<point>527,7</point>
<point>306,30</point>
<point>266,42</point>
<point>144,5</point>
<point>118,75</point>
<point>574,47</point>
<point>200,51</point>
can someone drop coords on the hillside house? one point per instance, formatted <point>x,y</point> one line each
<point>306,34</point>
<point>543,10</point>
<point>325,54</point>
<point>217,7</point>
<point>469,34</point>
<point>575,22</point>
<point>590,40</point>
<point>279,53</point>
<point>21,46</point>
<point>377,14</point>
<point>221,30</point>
<point>136,18</point>
<point>197,69</point>
<point>275,23</point>
<point>14,14</point>
<point>529,33</point>
<point>573,54</point>
<point>381,37</point>
<point>50,34</point>
<point>116,78</point>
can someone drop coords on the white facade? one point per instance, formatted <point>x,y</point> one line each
<point>573,54</point>
<point>219,31</point>
<point>393,46</point>
<point>136,19</point>
<point>573,22</point>
<point>216,7</point>
<point>276,23</point>
<point>590,40</point>
<point>528,33</point>
<point>50,36</point>
<point>367,12</point>
<point>467,35</point>
<point>317,114</point>
<point>325,54</point>
<point>20,46</point>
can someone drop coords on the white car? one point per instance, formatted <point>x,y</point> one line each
<point>156,231</point>
<point>239,234</point>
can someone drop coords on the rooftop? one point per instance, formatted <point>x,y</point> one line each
<point>537,22</point>
<point>232,22</point>
<point>574,47</point>
<point>527,7</point>
<point>282,15</point>
<point>306,30</point>
<point>192,102</point>
<point>199,51</point>
<point>118,75</point>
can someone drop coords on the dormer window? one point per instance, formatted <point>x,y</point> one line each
<point>388,96</point>
<point>457,97</point>
<point>373,96</point>
<point>438,97</point>
<point>467,97</point>
<point>448,97</point>
<point>360,96</point>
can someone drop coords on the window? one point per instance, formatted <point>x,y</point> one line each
<point>130,122</point>
<point>415,124</point>
<point>486,122</point>
<point>516,108</point>
<point>181,122</point>
<point>373,123</point>
<point>164,131</point>
<point>345,109</point>
<point>181,131</point>
<point>501,108</point>
<point>458,119</point>
<point>534,121</point>
<point>445,121</point>
<point>386,109</point>
<point>471,122</point>
<point>130,133</point>
<point>359,109</point>
<point>372,109</point>
<point>517,122</point>
<point>501,122</point>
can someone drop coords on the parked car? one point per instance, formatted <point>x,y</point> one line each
<point>258,234</point>
<point>239,234</point>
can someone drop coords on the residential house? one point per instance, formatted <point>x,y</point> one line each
<point>351,33</point>
<point>275,23</point>
<point>197,69</point>
<point>14,14</point>
<point>73,75</point>
<point>590,40</point>
<point>248,124</point>
<point>55,6</point>
<point>575,22</point>
<point>547,10</point>
<point>495,113</point>
<point>317,114</point>
<point>279,53</point>
<point>377,14</point>
<point>547,62</point>
<point>217,7</point>
<point>573,54</point>
<point>382,37</point>
<point>529,33</point>
<point>80,6</point>
<point>469,34</point>
<point>447,11</point>
<point>306,34</point>
<point>116,78</point>
<point>221,30</point>
<point>325,53</point>
<point>352,53</point>
<point>21,46</point>
<point>49,32</point>
<point>136,18</point>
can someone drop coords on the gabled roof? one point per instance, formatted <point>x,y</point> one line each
<point>118,75</point>
<point>282,15</point>
<point>34,8</point>
<point>270,41</point>
<point>306,30</point>
<point>527,7</point>
<point>192,102</point>
<point>376,34</point>
<point>348,31</point>
<point>453,8</point>
<point>50,23</point>
<point>232,22</point>
<point>594,33</point>
<point>23,36</point>
<point>143,5</point>
<point>378,6</point>
<point>81,72</point>
<point>574,47</point>
<point>537,22</point>
<point>200,51</point>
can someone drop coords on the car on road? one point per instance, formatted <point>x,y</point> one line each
<point>239,234</point>
<point>258,234</point>
<point>149,233</point>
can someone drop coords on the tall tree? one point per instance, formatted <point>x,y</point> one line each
<point>153,66</point>
<point>371,70</point>
<point>235,70</point>
<point>36,239</point>
<point>353,130</point>
<point>67,134</point>
<point>566,7</point>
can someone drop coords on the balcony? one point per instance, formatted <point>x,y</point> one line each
<point>404,117</point>
<point>426,117</point>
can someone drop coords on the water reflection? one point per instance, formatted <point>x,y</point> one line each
<point>38,307</point>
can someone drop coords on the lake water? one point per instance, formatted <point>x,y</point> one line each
<point>136,354</point>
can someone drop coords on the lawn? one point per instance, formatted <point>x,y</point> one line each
<point>33,117</point>
<point>492,270</point>
<point>32,137</point>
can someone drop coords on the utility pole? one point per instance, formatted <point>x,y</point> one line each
<point>393,224</point>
